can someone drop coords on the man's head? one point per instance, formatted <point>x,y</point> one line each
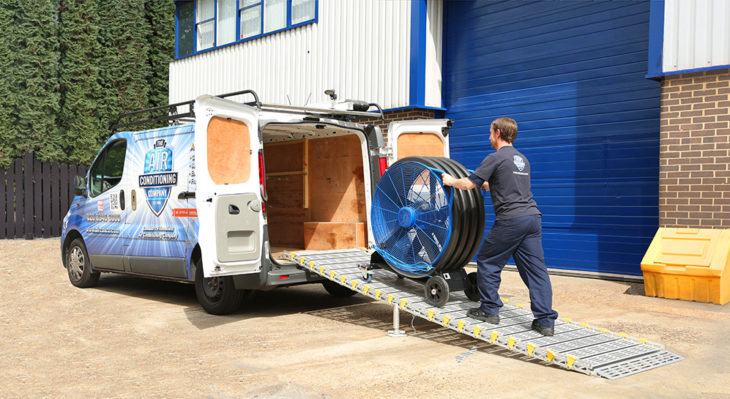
<point>504,129</point>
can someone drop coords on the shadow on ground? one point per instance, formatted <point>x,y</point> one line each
<point>310,299</point>
<point>375,315</point>
<point>276,302</point>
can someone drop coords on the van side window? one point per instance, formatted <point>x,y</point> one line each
<point>108,169</point>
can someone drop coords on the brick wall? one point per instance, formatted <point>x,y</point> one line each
<point>694,177</point>
<point>400,115</point>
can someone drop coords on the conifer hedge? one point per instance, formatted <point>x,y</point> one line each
<point>70,67</point>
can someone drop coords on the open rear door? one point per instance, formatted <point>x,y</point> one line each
<point>422,137</point>
<point>228,192</point>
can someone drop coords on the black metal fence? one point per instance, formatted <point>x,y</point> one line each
<point>35,196</point>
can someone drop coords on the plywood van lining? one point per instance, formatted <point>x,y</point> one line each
<point>316,189</point>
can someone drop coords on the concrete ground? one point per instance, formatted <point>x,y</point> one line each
<point>132,338</point>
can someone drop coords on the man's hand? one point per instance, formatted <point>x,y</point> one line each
<point>447,179</point>
<point>464,183</point>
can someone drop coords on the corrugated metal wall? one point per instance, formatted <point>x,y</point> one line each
<point>696,34</point>
<point>359,48</point>
<point>572,75</point>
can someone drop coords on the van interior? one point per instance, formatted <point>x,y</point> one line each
<point>315,184</point>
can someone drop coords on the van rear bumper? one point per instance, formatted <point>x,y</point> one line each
<point>279,277</point>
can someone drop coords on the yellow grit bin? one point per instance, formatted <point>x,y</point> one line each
<point>688,264</point>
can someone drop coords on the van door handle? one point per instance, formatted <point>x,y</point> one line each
<point>233,210</point>
<point>121,199</point>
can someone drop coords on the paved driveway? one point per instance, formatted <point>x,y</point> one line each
<point>133,338</point>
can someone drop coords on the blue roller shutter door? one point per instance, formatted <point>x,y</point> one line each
<point>571,74</point>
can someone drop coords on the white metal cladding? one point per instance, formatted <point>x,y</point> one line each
<point>696,34</point>
<point>434,26</point>
<point>359,48</point>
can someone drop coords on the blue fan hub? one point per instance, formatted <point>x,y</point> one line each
<point>406,217</point>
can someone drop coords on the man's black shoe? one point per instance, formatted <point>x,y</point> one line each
<point>481,315</point>
<point>546,331</point>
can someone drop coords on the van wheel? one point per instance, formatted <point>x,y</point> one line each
<point>78,265</point>
<point>217,295</point>
<point>337,290</point>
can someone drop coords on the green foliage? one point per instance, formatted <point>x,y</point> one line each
<point>8,12</point>
<point>161,18</point>
<point>31,78</point>
<point>80,119</point>
<point>38,59</point>
<point>124,67</point>
<point>70,67</point>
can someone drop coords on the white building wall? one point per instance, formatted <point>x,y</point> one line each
<point>696,34</point>
<point>434,40</point>
<point>359,48</point>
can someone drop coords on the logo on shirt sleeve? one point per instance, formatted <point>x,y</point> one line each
<point>519,162</point>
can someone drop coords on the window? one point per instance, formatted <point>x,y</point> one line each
<point>108,169</point>
<point>226,17</point>
<point>206,24</point>
<point>185,28</point>
<point>302,11</point>
<point>250,17</point>
<point>274,15</point>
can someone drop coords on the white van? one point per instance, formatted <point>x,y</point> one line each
<point>219,202</point>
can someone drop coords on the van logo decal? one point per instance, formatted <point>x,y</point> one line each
<point>158,178</point>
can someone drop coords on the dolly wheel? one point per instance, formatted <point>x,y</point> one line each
<point>436,291</point>
<point>471,287</point>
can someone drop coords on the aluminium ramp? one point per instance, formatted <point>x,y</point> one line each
<point>575,346</point>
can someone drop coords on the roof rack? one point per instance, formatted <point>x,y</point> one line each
<point>172,114</point>
<point>335,113</point>
<point>171,109</point>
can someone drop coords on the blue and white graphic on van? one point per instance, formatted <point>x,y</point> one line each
<point>158,177</point>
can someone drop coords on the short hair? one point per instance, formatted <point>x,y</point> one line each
<point>507,128</point>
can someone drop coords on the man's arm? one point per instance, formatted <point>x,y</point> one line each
<point>464,183</point>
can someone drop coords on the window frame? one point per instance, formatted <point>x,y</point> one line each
<point>214,18</point>
<point>101,162</point>
<point>238,40</point>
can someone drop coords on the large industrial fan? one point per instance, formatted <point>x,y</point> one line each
<point>427,231</point>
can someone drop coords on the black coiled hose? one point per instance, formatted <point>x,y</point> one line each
<point>467,220</point>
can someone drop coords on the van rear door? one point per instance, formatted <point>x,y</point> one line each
<point>228,193</point>
<point>423,137</point>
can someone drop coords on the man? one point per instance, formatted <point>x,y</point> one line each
<point>517,232</point>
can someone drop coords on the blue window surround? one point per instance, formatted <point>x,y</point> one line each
<point>656,45</point>
<point>419,14</point>
<point>238,27</point>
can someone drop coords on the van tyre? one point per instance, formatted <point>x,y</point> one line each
<point>337,290</point>
<point>78,265</point>
<point>217,295</point>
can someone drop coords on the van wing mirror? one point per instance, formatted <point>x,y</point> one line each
<point>80,186</point>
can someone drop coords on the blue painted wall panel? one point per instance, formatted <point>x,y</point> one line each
<point>571,74</point>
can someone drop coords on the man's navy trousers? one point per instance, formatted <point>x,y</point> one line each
<point>521,238</point>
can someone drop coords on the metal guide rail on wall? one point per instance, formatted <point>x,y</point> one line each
<point>575,346</point>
